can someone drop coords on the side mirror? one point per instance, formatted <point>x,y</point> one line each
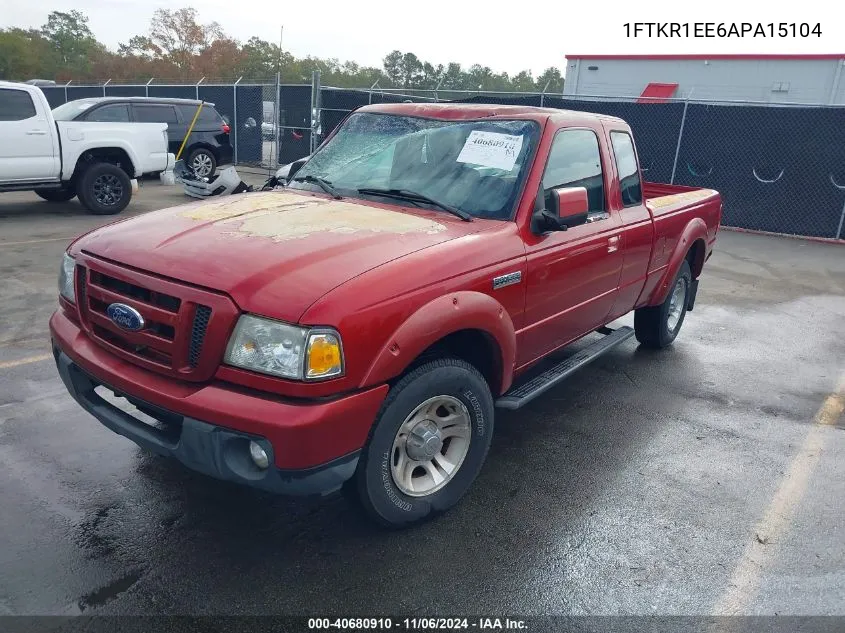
<point>295,167</point>
<point>569,207</point>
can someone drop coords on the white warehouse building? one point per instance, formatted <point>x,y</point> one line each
<point>811,79</point>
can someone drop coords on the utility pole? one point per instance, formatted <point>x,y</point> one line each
<point>281,36</point>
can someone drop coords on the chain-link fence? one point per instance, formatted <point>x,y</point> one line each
<point>779,168</point>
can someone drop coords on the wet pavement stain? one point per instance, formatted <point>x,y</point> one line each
<point>91,534</point>
<point>110,591</point>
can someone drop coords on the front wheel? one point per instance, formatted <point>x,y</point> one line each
<point>428,444</point>
<point>658,326</point>
<point>105,189</point>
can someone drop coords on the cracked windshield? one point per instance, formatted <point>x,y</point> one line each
<point>473,168</point>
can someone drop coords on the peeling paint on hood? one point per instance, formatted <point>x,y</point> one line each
<point>273,252</point>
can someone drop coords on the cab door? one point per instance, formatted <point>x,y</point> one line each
<point>27,146</point>
<point>635,217</point>
<point>573,275</point>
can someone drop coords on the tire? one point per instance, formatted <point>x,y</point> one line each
<point>658,326</point>
<point>451,386</point>
<point>104,189</point>
<point>202,162</point>
<point>56,195</point>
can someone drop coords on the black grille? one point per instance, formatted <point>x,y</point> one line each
<point>201,317</point>
<point>81,286</point>
<point>119,286</point>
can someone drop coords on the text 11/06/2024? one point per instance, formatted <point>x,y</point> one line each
<point>768,30</point>
<point>417,624</point>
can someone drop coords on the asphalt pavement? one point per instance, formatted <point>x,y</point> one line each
<point>706,478</point>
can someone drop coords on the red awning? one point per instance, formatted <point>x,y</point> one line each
<point>657,93</point>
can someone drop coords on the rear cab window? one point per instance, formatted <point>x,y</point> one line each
<point>626,164</point>
<point>575,161</point>
<point>16,105</point>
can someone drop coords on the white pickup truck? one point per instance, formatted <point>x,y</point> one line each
<point>98,162</point>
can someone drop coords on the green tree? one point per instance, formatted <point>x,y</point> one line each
<point>412,70</point>
<point>480,77</point>
<point>431,75</point>
<point>553,78</point>
<point>25,55</point>
<point>178,46</point>
<point>523,81</point>
<point>176,37</point>
<point>393,67</point>
<point>454,77</point>
<point>72,42</point>
<point>263,59</point>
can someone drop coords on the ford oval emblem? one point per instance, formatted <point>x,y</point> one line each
<point>125,317</point>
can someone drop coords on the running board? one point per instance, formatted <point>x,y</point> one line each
<point>29,186</point>
<point>525,393</point>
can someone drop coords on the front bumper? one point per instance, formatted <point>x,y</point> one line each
<point>313,448</point>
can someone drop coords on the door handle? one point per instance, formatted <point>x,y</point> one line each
<point>37,133</point>
<point>613,244</point>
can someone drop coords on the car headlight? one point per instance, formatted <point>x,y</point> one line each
<point>66,276</point>
<point>289,351</point>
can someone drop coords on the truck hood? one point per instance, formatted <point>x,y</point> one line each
<point>274,253</point>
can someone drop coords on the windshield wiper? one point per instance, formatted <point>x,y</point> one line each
<point>324,184</point>
<point>405,194</point>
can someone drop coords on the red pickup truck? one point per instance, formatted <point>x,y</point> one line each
<point>358,328</point>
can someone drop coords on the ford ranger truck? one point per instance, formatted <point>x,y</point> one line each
<point>358,328</point>
<point>98,162</point>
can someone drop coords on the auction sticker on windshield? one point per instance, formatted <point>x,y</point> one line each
<point>491,149</point>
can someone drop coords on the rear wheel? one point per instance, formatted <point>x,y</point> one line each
<point>56,195</point>
<point>428,443</point>
<point>104,189</point>
<point>202,162</point>
<point>658,326</point>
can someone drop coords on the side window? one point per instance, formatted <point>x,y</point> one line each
<point>575,161</point>
<point>626,165</point>
<point>155,114</point>
<point>207,115</point>
<point>15,105</point>
<point>114,113</point>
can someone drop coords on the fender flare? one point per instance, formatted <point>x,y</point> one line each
<point>463,310</point>
<point>97,146</point>
<point>695,230</point>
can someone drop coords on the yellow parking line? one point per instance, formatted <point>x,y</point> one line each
<point>832,407</point>
<point>745,580</point>
<point>51,239</point>
<point>20,341</point>
<point>24,361</point>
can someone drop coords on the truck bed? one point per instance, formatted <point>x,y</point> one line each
<point>664,198</point>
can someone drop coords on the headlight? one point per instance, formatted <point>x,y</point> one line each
<point>66,276</point>
<point>289,351</point>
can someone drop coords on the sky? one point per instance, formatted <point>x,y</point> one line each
<point>508,37</point>
<point>465,31</point>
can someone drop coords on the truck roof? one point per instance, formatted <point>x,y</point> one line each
<point>460,111</point>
